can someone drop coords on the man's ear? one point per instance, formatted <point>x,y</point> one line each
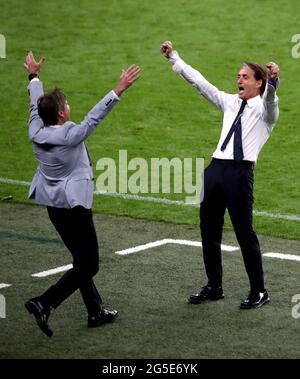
<point>61,117</point>
<point>259,83</point>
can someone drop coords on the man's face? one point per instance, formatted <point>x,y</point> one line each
<point>248,86</point>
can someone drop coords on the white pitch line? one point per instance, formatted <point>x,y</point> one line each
<point>166,241</point>
<point>277,215</point>
<point>289,257</point>
<point>150,199</point>
<point>52,271</point>
<point>125,196</point>
<point>13,181</point>
<point>199,244</point>
<point>136,249</point>
<point>4,285</point>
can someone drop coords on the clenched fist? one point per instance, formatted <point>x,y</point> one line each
<point>273,70</point>
<point>166,48</point>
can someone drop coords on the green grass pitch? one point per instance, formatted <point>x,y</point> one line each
<point>149,289</point>
<point>86,44</point>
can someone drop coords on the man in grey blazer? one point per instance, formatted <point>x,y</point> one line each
<point>64,183</point>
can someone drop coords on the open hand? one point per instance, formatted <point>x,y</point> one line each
<point>127,78</point>
<point>31,65</point>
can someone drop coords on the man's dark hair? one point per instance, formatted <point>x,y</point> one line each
<point>260,73</point>
<point>50,104</point>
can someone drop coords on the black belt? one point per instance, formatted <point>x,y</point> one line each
<point>233,162</point>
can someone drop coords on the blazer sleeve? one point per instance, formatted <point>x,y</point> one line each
<point>75,134</point>
<point>71,134</point>
<point>35,90</point>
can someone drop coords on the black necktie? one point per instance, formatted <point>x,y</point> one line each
<point>236,128</point>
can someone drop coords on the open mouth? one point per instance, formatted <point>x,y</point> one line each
<point>241,90</point>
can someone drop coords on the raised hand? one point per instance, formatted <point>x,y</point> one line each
<point>127,78</point>
<point>273,70</point>
<point>31,65</point>
<point>166,48</point>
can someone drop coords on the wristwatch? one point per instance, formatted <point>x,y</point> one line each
<point>274,82</point>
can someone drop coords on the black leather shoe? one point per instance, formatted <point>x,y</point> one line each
<point>41,315</point>
<point>101,318</point>
<point>206,293</point>
<point>255,300</point>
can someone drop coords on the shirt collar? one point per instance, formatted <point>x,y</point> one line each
<point>254,101</point>
<point>54,126</point>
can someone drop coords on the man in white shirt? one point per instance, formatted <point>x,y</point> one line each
<point>249,118</point>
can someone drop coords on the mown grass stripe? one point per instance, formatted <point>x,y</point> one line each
<point>24,237</point>
<point>125,196</point>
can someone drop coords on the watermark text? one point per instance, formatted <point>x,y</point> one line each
<point>2,307</point>
<point>296,47</point>
<point>296,308</point>
<point>2,46</point>
<point>152,176</point>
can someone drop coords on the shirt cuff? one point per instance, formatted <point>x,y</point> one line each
<point>115,95</point>
<point>177,63</point>
<point>174,56</point>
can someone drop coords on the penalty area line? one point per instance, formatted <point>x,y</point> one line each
<point>4,285</point>
<point>158,243</point>
<point>167,241</point>
<point>288,257</point>
<point>53,271</point>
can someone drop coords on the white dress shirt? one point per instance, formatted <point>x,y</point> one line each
<point>258,118</point>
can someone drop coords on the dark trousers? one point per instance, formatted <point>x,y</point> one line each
<point>229,184</point>
<point>77,230</point>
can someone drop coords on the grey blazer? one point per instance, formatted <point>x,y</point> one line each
<point>64,177</point>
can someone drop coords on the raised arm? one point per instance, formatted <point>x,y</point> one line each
<point>69,133</point>
<point>194,77</point>
<point>35,90</point>
<point>270,99</point>
<point>78,133</point>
